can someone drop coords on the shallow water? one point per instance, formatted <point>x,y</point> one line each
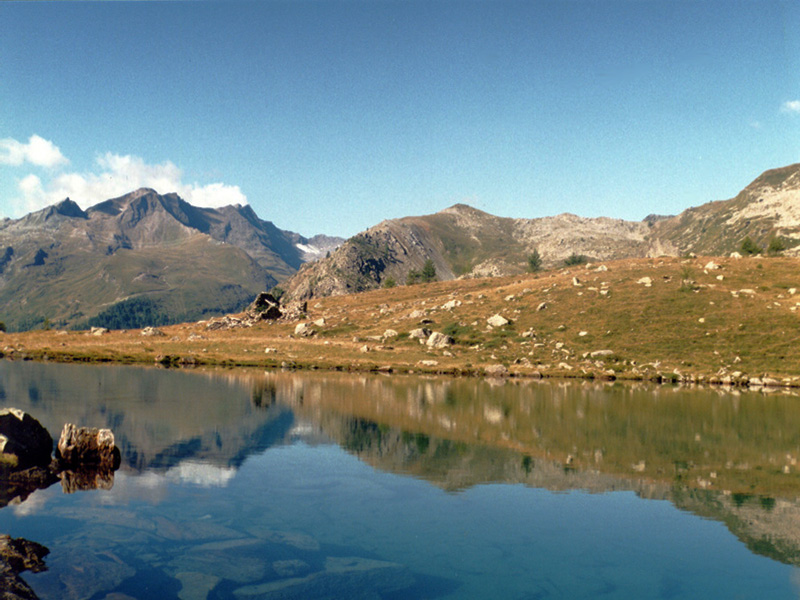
<point>252,485</point>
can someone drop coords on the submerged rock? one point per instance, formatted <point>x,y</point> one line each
<point>16,556</point>
<point>342,577</point>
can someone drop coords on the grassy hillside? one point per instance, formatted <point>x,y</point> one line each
<point>644,319</point>
<point>178,279</point>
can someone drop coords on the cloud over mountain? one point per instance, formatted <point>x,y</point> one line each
<point>113,175</point>
<point>38,151</point>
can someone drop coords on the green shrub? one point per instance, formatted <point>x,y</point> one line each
<point>534,261</point>
<point>575,259</point>
<point>428,273</point>
<point>776,246</point>
<point>749,247</point>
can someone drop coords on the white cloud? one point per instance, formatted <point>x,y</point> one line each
<point>38,151</point>
<point>117,175</point>
<point>791,106</point>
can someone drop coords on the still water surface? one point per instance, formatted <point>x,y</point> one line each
<point>240,485</point>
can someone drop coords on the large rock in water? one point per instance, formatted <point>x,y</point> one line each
<point>83,446</point>
<point>24,442</point>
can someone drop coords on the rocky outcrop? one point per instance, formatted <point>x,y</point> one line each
<point>767,208</point>
<point>16,556</point>
<point>264,308</point>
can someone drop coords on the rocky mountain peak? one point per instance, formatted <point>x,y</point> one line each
<point>461,209</point>
<point>69,208</point>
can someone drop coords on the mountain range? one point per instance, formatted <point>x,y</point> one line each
<point>141,259</point>
<point>462,241</point>
<point>150,259</point>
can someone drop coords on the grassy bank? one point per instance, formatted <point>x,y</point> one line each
<point>663,319</point>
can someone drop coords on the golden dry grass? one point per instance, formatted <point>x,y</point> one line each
<point>739,321</point>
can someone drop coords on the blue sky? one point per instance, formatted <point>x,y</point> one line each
<point>328,117</point>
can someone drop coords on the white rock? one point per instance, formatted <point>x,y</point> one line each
<point>497,321</point>
<point>152,331</point>
<point>711,266</point>
<point>646,281</point>
<point>451,304</point>
<point>390,333</point>
<point>735,255</point>
<point>421,334</point>
<point>303,329</point>
<point>439,340</point>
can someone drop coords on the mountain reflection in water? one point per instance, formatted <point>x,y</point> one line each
<point>722,455</point>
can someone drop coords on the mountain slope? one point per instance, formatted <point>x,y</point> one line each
<point>154,258</point>
<point>464,241</point>
<point>768,207</point>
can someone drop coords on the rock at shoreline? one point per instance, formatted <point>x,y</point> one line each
<point>16,556</point>
<point>84,446</point>
<point>24,442</point>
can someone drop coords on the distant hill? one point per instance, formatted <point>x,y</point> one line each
<point>141,259</point>
<point>462,241</point>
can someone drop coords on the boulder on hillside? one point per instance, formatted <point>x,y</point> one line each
<point>24,442</point>
<point>497,321</point>
<point>265,308</point>
<point>152,332</point>
<point>422,334</point>
<point>439,340</point>
<point>84,446</point>
<point>304,330</point>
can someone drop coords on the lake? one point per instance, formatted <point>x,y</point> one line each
<point>240,485</point>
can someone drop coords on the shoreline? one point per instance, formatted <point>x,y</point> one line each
<point>732,325</point>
